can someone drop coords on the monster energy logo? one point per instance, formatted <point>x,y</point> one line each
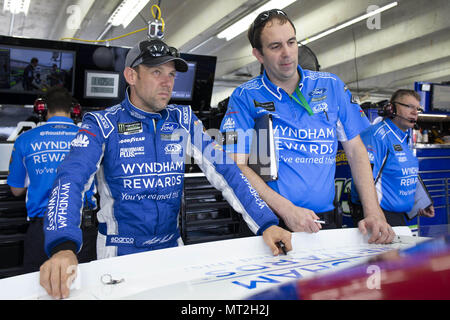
<point>130,128</point>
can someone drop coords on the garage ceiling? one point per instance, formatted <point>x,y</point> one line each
<point>407,43</point>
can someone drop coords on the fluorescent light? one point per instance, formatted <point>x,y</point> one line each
<point>242,25</point>
<point>431,115</point>
<point>348,23</point>
<point>126,12</point>
<point>16,6</point>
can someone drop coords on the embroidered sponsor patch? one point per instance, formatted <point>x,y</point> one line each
<point>269,106</point>
<point>131,152</point>
<point>130,128</point>
<point>168,127</point>
<point>172,148</point>
<point>398,147</point>
<point>80,141</point>
<point>229,124</point>
<point>317,92</point>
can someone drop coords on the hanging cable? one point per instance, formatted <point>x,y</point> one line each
<point>155,29</point>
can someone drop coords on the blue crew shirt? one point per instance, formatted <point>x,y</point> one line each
<point>306,138</point>
<point>396,184</point>
<point>35,157</point>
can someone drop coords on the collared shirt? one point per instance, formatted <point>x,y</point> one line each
<point>396,184</point>
<point>36,155</point>
<point>306,144</point>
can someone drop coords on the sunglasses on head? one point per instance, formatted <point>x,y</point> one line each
<point>156,49</point>
<point>263,17</point>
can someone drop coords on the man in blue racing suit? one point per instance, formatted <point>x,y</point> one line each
<point>137,149</point>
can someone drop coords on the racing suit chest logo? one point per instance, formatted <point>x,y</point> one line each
<point>269,106</point>
<point>130,128</point>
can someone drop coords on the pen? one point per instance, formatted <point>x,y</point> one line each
<point>283,248</point>
<point>319,221</point>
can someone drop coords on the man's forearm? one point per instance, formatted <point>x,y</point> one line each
<point>17,192</point>
<point>275,201</point>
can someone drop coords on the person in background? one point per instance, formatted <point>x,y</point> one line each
<point>36,155</point>
<point>394,166</point>
<point>28,75</point>
<point>311,112</point>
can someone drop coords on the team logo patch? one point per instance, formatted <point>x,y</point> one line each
<point>130,128</point>
<point>269,106</point>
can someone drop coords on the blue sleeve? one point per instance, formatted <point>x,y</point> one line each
<point>237,124</point>
<point>352,118</point>
<point>376,149</point>
<point>17,171</point>
<point>225,175</point>
<point>74,176</point>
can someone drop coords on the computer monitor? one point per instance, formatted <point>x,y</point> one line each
<point>25,70</point>
<point>440,98</point>
<point>183,88</point>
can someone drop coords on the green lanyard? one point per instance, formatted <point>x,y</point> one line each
<point>303,102</point>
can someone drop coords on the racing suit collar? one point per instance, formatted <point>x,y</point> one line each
<point>138,113</point>
<point>399,134</point>
<point>277,91</point>
<point>60,119</point>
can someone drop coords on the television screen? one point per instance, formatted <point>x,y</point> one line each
<point>184,83</point>
<point>31,70</point>
<point>440,98</point>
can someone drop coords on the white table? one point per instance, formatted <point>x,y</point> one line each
<point>230,269</point>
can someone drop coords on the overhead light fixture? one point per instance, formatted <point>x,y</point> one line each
<point>348,23</point>
<point>16,6</point>
<point>242,25</point>
<point>432,115</point>
<point>126,12</point>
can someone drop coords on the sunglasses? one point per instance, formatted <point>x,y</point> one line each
<point>156,49</point>
<point>265,15</point>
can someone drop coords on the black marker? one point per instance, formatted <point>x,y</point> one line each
<point>282,246</point>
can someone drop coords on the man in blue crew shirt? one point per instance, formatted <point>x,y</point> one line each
<point>36,155</point>
<point>395,167</point>
<point>311,112</point>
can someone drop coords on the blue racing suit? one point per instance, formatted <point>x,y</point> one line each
<point>395,168</point>
<point>139,159</point>
<point>306,141</point>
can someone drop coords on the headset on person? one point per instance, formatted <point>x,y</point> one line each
<point>40,108</point>
<point>389,110</point>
